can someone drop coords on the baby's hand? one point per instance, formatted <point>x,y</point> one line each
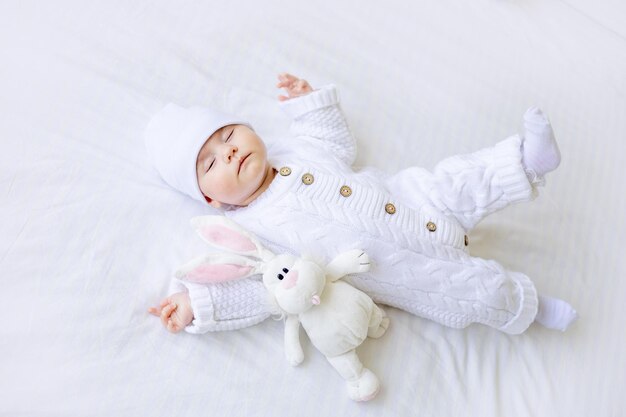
<point>175,312</point>
<point>294,86</point>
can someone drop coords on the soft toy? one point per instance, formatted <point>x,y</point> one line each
<point>336,316</point>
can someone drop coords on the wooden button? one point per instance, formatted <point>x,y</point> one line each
<point>390,208</point>
<point>431,226</point>
<point>284,171</point>
<point>466,240</point>
<point>345,191</point>
<point>308,179</point>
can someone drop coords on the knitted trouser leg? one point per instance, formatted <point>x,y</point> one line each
<point>457,293</point>
<point>468,187</point>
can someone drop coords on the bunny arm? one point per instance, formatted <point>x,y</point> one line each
<point>293,349</point>
<point>350,262</point>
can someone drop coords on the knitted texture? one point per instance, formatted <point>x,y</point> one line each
<point>419,251</point>
<point>228,306</point>
<point>421,261</point>
<point>428,274</point>
<point>326,122</point>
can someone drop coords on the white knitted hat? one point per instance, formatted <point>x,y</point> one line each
<point>173,139</point>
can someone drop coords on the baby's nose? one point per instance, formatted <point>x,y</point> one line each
<point>229,152</point>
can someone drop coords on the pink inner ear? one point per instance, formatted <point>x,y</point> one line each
<point>217,273</point>
<point>227,238</point>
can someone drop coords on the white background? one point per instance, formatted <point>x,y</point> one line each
<point>89,235</point>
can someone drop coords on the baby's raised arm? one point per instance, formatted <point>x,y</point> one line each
<point>316,114</point>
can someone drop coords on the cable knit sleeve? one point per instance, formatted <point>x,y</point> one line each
<point>318,115</point>
<point>227,306</point>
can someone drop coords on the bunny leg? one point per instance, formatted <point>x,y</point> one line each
<point>293,348</point>
<point>378,323</point>
<point>362,383</point>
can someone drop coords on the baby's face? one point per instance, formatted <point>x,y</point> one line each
<point>232,165</point>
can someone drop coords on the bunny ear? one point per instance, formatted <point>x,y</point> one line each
<point>218,267</point>
<point>225,234</point>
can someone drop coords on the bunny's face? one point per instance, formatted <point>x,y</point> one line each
<point>296,284</point>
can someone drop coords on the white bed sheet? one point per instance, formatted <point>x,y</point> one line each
<point>89,235</point>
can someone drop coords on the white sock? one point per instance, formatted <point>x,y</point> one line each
<point>540,152</point>
<point>555,314</point>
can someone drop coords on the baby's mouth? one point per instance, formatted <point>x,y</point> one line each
<point>241,161</point>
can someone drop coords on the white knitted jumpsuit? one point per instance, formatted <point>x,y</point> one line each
<point>413,224</point>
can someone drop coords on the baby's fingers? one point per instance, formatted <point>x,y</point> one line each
<point>283,76</point>
<point>301,85</point>
<point>166,313</point>
<point>172,327</point>
<point>287,81</point>
<point>287,84</point>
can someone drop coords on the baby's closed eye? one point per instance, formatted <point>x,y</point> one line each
<point>208,164</point>
<point>230,134</point>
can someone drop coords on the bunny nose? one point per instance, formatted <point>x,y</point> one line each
<point>290,279</point>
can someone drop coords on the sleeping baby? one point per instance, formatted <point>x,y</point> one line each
<point>300,195</point>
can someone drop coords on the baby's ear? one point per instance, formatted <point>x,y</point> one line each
<point>218,267</point>
<point>227,235</point>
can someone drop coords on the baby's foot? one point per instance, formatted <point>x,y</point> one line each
<point>555,314</point>
<point>175,312</point>
<point>540,152</point>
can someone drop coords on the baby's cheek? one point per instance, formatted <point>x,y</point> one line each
<point>255,174</point>
<point>213,186</point>
<point>202,182</point>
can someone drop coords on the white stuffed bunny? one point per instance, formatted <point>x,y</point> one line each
<point>336,316</point>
